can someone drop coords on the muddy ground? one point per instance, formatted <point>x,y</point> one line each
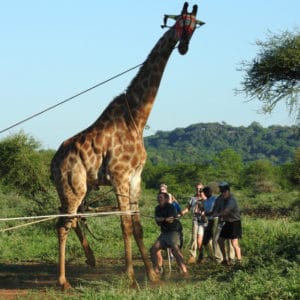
<point>24,279</point>
<point>20,279</point>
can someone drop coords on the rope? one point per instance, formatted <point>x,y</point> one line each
<point>151,217</point>
<point>69,99</point>
<point>27,224</point>
<point>86,215</point>
<point>169,251</point>
<point>51,217</point>
<point>131,116</point>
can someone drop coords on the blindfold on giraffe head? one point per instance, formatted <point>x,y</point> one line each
<point>185,25</point>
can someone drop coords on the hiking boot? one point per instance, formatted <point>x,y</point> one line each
<point>200,258</point>
<point>226,263</point>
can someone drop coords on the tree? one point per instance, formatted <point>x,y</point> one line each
<point>274,75</point>
<point>295,168</point>
<point>228,166</point>
<point>23,166</point>
<point>24,169</point>
<point>259,176</point>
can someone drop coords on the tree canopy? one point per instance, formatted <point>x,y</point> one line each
<point>199,143</point>
<point>274,75</point>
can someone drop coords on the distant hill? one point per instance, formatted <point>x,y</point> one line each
<point>200,142</point>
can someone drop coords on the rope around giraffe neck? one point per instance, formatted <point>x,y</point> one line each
<point>131,116</point>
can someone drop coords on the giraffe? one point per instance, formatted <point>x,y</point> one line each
<point>111,151</point>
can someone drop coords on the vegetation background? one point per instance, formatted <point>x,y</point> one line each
<point>264,180</point>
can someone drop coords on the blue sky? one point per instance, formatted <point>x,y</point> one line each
<point>51,50</point>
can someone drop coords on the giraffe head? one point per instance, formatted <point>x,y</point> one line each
<point>185,26</point>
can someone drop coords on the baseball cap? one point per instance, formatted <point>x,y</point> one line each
<point>224,186</point>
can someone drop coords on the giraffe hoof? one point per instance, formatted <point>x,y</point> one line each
<point>134,285</point>
<point>65,286</point>
<point>154,278</point>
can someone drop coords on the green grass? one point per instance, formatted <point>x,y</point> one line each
<point>270,247</point>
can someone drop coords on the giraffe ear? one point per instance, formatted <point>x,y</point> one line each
<point>184,9</point>
<point>200,23</point>
<point>195,9</point>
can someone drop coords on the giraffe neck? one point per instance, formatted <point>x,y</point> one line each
<point>143,88</point>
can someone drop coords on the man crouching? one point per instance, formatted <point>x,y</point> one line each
<point>166,218</point>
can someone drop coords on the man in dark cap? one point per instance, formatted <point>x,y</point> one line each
<point>227,210</point>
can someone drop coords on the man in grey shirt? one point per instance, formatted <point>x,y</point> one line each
<point>227,210</point>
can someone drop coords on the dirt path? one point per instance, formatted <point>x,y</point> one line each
<point>19,279</point>
<point>39,280</point>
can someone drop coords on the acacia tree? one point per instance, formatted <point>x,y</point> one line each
<point>274,75</point>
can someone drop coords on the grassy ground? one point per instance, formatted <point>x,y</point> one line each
<point>270,269</point>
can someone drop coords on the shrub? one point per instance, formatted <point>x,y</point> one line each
<point>22,165</point>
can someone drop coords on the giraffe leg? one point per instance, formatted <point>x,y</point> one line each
<point>135,189</point>
<point>138,235</point>
<point>126,224</point>
<point>122,193</point>
<point>63,231</point>
<point>89,254</point>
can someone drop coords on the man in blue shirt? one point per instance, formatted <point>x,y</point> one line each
<point>208,204</point>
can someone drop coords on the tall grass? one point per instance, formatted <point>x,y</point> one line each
<point>270,270</point>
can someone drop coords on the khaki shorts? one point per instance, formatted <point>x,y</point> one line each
<point>200,230</point>
<point>169,239</point>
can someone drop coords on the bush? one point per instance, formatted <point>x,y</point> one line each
<point>22,166</point>
<point>259,176</point>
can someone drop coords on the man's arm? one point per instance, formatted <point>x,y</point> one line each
<point>188,207</point>
<point>217,207</point>
<point>158,218</point>
<point>211,207</point>
<point>231,204</point>
<point>178,208</point>
<point>171,214</point>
